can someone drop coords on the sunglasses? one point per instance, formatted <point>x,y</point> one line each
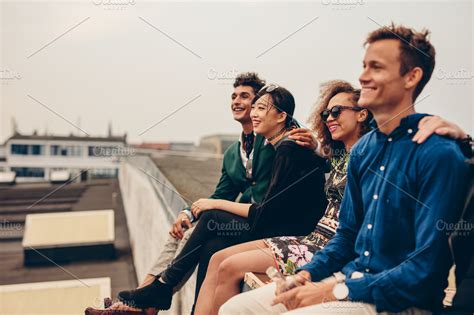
<point>268,88</point>
<point>336,111</point>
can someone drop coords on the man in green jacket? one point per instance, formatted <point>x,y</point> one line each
<point>246,171</point>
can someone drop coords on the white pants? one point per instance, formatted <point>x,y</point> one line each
<point>259,301</point>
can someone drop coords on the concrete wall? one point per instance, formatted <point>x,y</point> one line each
<point>149,217</point>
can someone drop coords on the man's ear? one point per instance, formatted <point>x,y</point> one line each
<point>413,77</point>
<point>363,114</point>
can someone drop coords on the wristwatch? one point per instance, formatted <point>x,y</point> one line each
<point>340,290</point>
<point>189,214</point>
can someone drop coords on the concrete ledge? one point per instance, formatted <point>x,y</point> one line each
<point>69,236</point>
<point>53,297</point>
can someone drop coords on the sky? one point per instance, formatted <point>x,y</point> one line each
<point>163,71</point>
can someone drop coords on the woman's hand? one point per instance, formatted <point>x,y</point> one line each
<point>203,204</point>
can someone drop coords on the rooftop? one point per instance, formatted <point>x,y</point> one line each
<point>18,201</point>
<point>68,138</point>
<point>194,175</point>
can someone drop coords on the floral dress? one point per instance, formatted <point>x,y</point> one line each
<point>292,252</point>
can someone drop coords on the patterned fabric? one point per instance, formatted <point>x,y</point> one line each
<point>248,143</point>
<point>292,252</point>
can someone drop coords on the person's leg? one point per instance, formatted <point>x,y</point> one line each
<point>159,293</point>
<point>205,230</point>
<point>258,301</point>
<point>350,308</point>
<point>210,248</point>
<point>205,301</point>
<point>181,243</point>
<point>171,249</point>
<point>166,256</point>
<point>232,270</point>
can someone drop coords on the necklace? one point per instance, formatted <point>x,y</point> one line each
<point>279,133</point>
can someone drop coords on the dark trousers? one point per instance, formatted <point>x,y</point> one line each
<point>214,231</point>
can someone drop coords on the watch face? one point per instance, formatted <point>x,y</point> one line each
<point>340,291</point>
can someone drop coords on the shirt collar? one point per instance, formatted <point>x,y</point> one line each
<point>408,123</point>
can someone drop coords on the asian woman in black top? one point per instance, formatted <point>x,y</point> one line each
<point>294,202</point>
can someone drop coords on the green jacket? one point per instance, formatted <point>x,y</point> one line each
<point>233,180</point>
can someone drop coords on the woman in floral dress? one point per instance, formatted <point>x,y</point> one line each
<point>339,123</point>
<point>292,252</point>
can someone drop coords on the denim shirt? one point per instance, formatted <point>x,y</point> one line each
<point>400,198</point>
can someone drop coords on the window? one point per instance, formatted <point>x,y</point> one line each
<point>103,173</point>
<point>27,149</point>
<point>66,150</point>
<point>20,149</point>
<point>36,149</point>
<point>28,171</point>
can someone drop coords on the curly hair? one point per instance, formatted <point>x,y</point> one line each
<point>415,50</point>
<point>327,91</point>
<point>249,79</point>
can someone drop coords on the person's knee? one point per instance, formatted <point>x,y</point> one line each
<point>216,260</point>
<point>229,269</point>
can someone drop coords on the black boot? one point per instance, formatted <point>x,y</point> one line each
<point>155,295</point>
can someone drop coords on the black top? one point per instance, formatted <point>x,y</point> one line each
<point>295,199</point>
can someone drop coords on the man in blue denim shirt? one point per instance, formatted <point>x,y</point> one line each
<point>389,245</point>
<point>389,252</point>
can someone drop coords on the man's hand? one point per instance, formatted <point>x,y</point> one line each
<point>304,137</point>
<point>203,204</point>
<point>298,279</point>
<point>311,293</point>
<point>178,225</point>
<point>435,124</point>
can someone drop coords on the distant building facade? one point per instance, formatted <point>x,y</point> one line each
<point>217,143</point>
<point>36,157</point>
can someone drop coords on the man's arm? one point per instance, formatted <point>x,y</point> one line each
<point>225,189</point>
<point>340,249</point>
<point>441,179</point>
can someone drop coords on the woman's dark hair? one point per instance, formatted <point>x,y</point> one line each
<point>327,91</point>
<point>283,101</point>
<point>249,79</point>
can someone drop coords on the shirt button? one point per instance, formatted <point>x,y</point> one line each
<point>369,226</point>
<point>254,183</point>
<point>366,253</point>
<point>375,197</point>
<point>389,139</point>
<point>410,130</point>
<point>367,270</point>
<point>382,168</point>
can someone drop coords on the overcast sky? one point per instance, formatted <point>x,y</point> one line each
<point>171,64</point>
